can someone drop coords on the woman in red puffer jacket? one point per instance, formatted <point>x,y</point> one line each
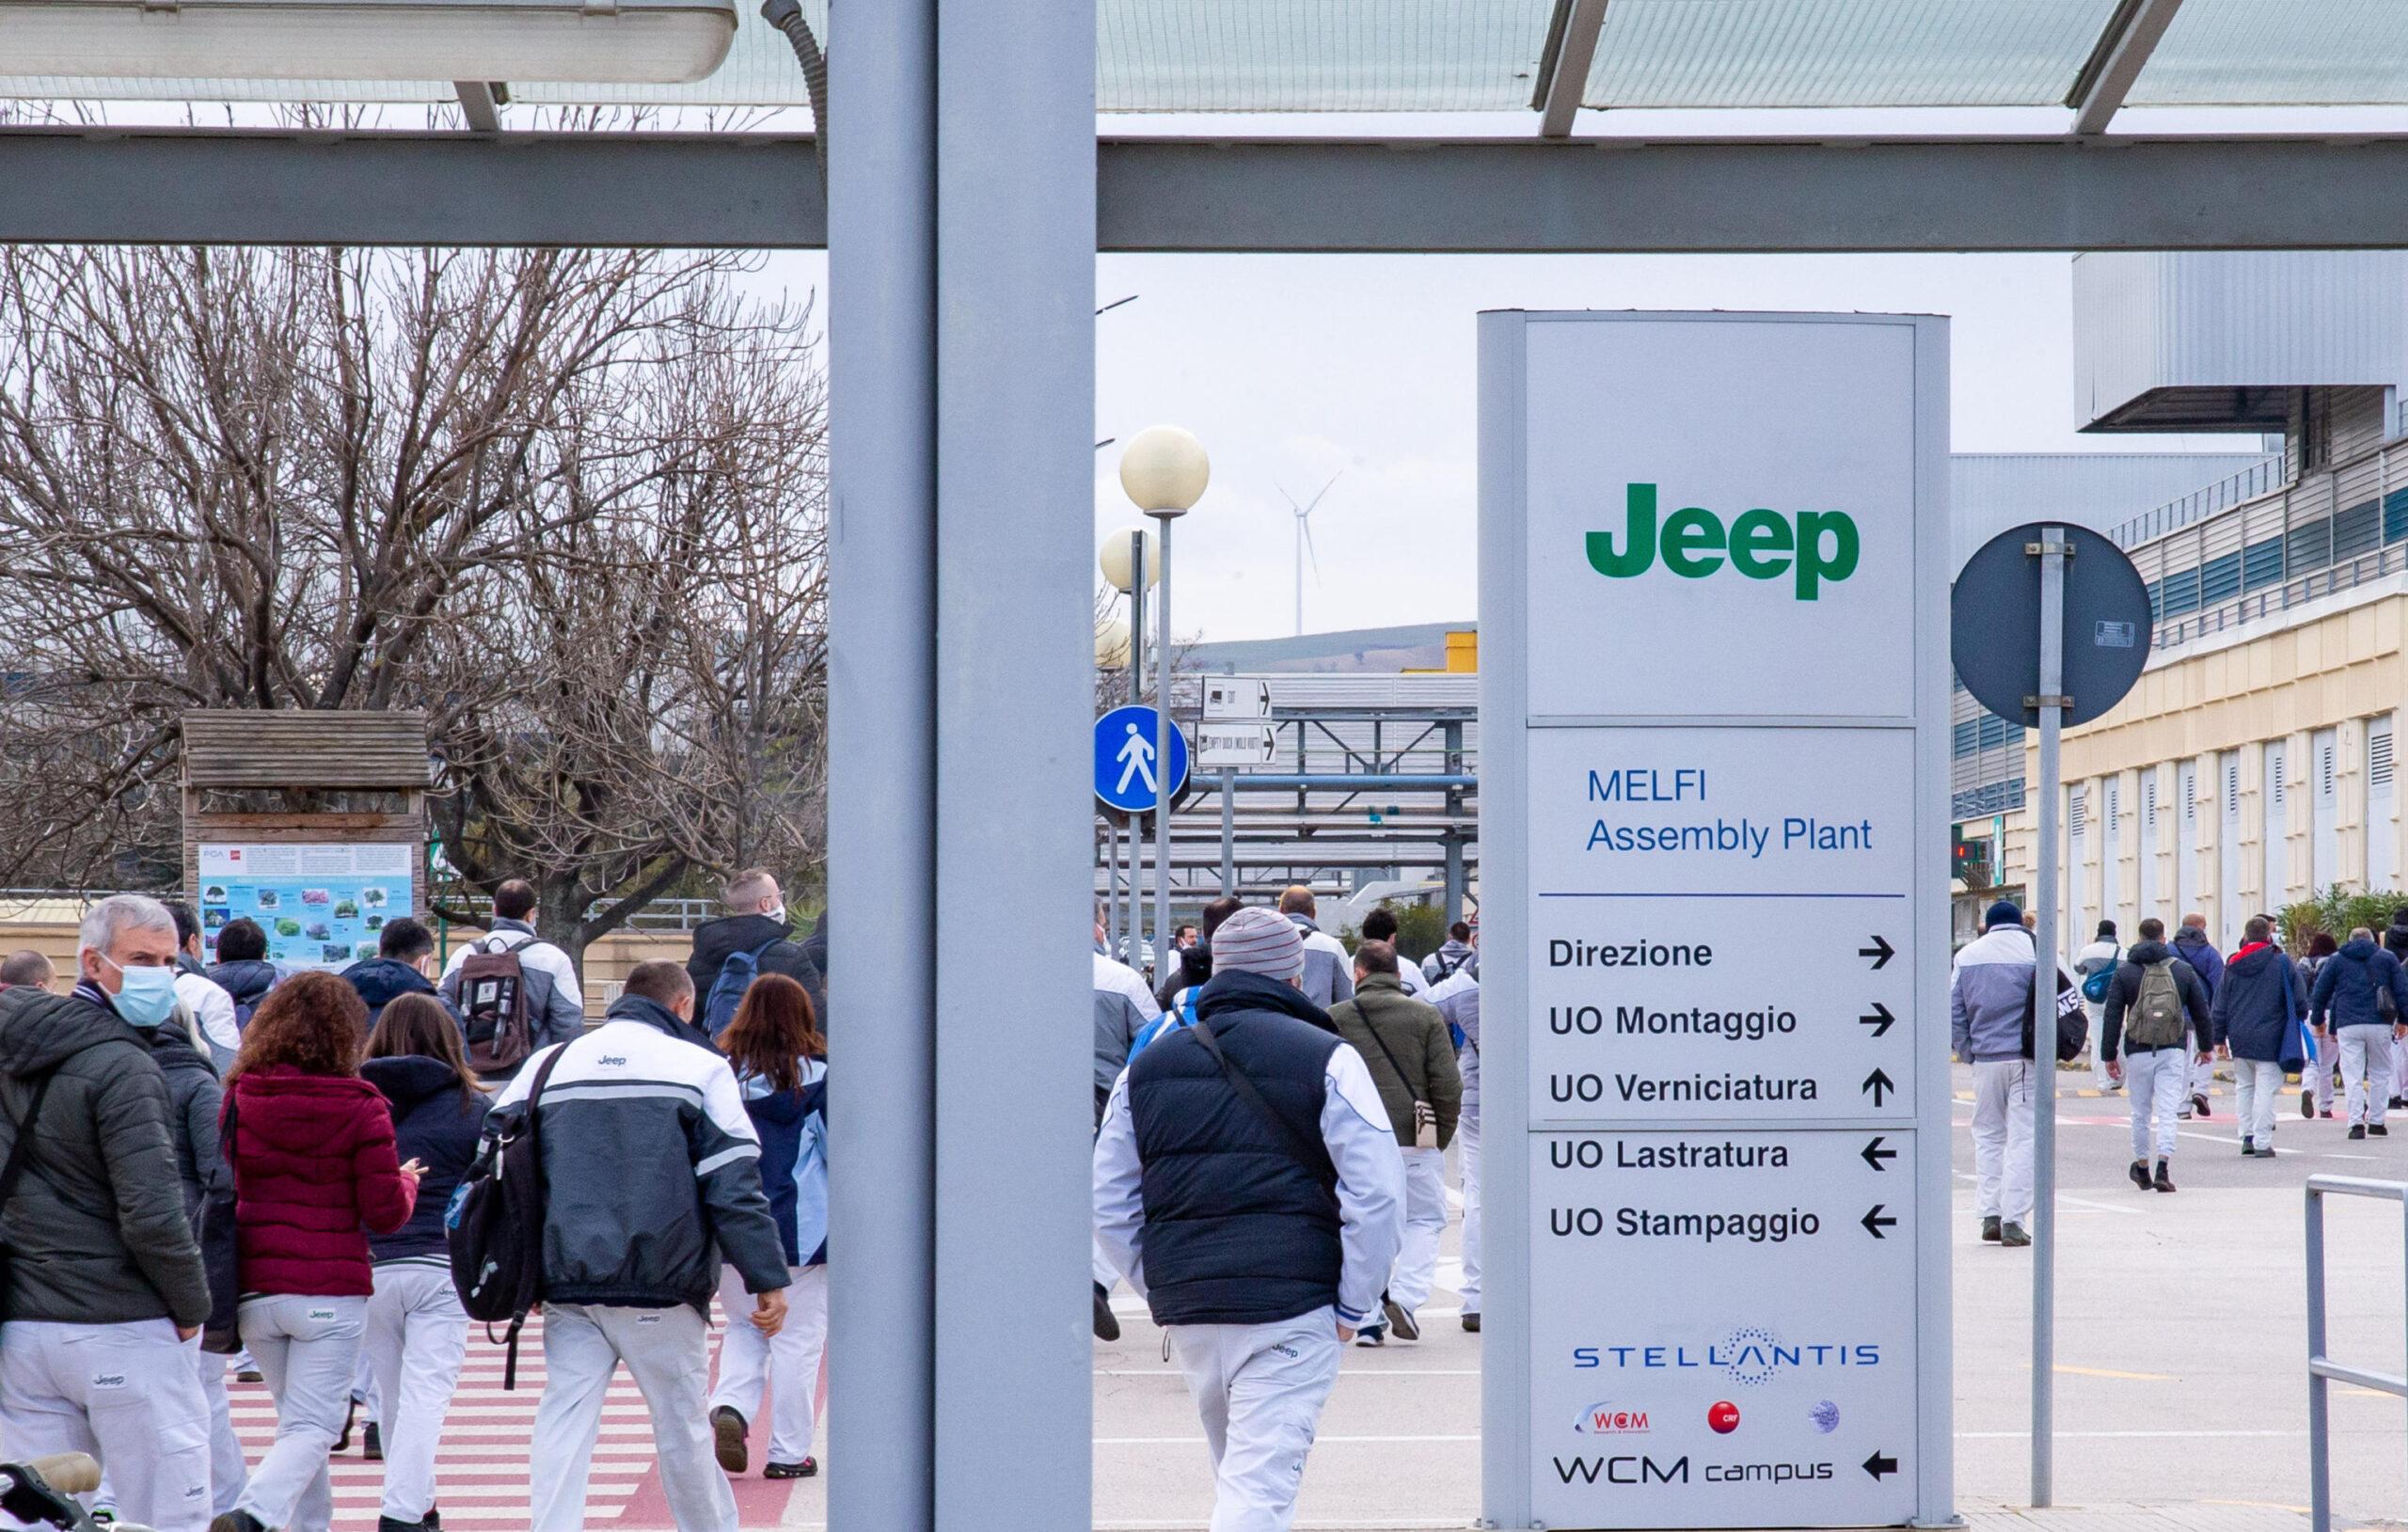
<point>312,1145</point>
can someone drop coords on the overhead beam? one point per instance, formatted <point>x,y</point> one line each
<point>2124,46</point>
<point>1563,68</point>
<point>166,186</point>
<point>480,104</point>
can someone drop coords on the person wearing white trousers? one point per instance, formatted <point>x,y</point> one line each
<point>2003,1143</point>
<point>2257,1013</point>
<point>1467,1149</point>
<point>2157,1050</point>
<point>785,1367</point>
<point>417,1338</point>
<point>666,1352</point>
<point>228,1471</point>
<point>1457,996</point>
<point>2365,1077</point>
<point>307,1347</point>
<point>1262,1233</point>
<point>128,1395</point>
<point>1425,1224</point>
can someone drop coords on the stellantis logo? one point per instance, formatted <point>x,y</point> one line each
<point>1818,546</point>
<point>1751,1356</point>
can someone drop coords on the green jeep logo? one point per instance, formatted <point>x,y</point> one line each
<point>1761,544</point>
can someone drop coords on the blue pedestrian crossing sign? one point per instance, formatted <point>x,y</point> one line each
<point>1127,776</point>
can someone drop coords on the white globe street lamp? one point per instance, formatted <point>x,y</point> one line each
<point>1126,556</point>
<point>1112,643</point>
<point>1164,471</point>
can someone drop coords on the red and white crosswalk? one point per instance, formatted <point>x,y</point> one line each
<point>482,1470</point>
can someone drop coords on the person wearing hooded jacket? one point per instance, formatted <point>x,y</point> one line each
<point>103,1265</point>
<point>405,953</point>
<point>2158,1073</point>
<point>2257,1013</point>
<point>1452,953</point>
<point>653,1176</point>
<point>245,973</point>
<point>2103,955</point>
<point>1404,1043</point>
<point>1457,996</point>
<point>1989,1003</point>
<point>2324,1054</point>
<point>2348,1004</point>
<point>2395,942</point>
<point>1248,1184</point>
<point>756,922</point>
<point>2192,945</point>
<point>415,1332</point>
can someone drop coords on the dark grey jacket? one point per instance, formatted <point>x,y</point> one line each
<point>98,1223</point>
<point>193,1091</point>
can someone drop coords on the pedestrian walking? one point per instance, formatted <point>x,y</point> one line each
<point>757,937</point>
<point>1248,1184</point>
<point>2395,942</point>
<point>2257,1013</point>
<point>1452,955</point>
<point>1123,1008</point>
<point>1404,1044</point>
<point>244,972</point>
<point>106,1290</point>
<point>2323,1055</point>
<point>1195,963</point>
<point>212,1007</point>
<point>1457,998</point>
<point>514,992</point>
<point>653,1174</point>
<point>2102,956</point>
<point>26,969</point>
<point>781,1063</point>
<point>2192,945</point>
<point>2359,998</point>
<point>1328,974</point>
<point>2158,1014</point>
<point>1989,1008</point>
<point>415,1332</point>
<point>1381,925</point>
<point>315,1174</point>
<point>403,965</point>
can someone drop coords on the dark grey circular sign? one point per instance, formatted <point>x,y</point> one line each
<point>1994,625</point>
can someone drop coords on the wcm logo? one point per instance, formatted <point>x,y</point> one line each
<point>1814,548</point>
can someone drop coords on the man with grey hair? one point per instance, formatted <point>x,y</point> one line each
<point>106,1284</point>
<point>755,923</point>
<point>1249,1186</point>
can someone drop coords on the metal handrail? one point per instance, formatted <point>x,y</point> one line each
<point>2323,1370</point>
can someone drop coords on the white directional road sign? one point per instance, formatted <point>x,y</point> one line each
<point>1222,746</point>
<point>1714,581</point>
<point>1236,698</point>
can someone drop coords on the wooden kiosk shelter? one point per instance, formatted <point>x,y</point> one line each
<point>313,823</point>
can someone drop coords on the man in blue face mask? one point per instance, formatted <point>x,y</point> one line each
<point>106,1290</point>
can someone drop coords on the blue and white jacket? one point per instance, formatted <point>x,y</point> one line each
<point>1989,995</point>
<point>793,1126</point>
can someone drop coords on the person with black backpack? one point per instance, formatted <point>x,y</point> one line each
<point>515,993</point>
<point>1452,955</point>
<point>2157,1014</point>
<point>753,938</point>
<point>1249,1188</point>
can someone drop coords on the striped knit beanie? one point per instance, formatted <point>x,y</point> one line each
<point>1258,941</point>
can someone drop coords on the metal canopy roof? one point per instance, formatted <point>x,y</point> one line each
<point>2077,60</point>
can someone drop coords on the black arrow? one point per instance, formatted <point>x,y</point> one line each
<point>1874,1222</point>
<point>1880,952</point>
<point>1879,1466</point>
<point>1878,1018</point>
<point>1880,1084</point>
<point>1877,1157</point>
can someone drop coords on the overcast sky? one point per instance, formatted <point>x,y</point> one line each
<point>1293,369</point>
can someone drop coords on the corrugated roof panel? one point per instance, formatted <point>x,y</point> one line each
<point>1318,55</point>
<point>1842,52</point>
<point>2321,53</point>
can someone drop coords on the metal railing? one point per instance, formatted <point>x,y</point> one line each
<point>2253,483</point>
<point>2323,1371</point>
<point>2361,569</point>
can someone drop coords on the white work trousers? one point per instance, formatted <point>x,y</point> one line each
<point>417,1337</point>
<point>308,1348</point>
<point>2003,1140</point>
<point>1425,1224</point>
<point>2257,1085</point>
<point>2323,1062</point>
<point>1467,1148</point>
<point>666,1352</point>
<point>1259,1389</point>
<point>2366,1073</point>
<point>787,1365</point>
<point>2160,1080</point>
<point>2099,1055</point>
<point>128,1395</point>
<point>228,1472</point>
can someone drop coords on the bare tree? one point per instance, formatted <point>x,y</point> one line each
<point>572,503</point>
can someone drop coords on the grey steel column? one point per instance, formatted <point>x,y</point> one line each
<point>1137,695</point>
<point>1228,833</point>
<point>1454,740</point>
<point>882,795</point>
<point>2044,1024</point>
<point>1016,202</point>
<point>1162,761</point>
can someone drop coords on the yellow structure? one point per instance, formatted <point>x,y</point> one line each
<point>1463,654</point>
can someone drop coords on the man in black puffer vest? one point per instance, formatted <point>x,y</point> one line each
<point>1248,1186</point>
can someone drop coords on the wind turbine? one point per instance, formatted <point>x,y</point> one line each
<point>1303,514</point>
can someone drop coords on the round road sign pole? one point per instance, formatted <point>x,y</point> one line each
<point>2053,551</point>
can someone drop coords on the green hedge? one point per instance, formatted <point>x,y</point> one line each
<point>2340,913</point>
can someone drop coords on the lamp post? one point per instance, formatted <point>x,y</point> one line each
<point>1164,470</point>
<point>1128,566</point>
